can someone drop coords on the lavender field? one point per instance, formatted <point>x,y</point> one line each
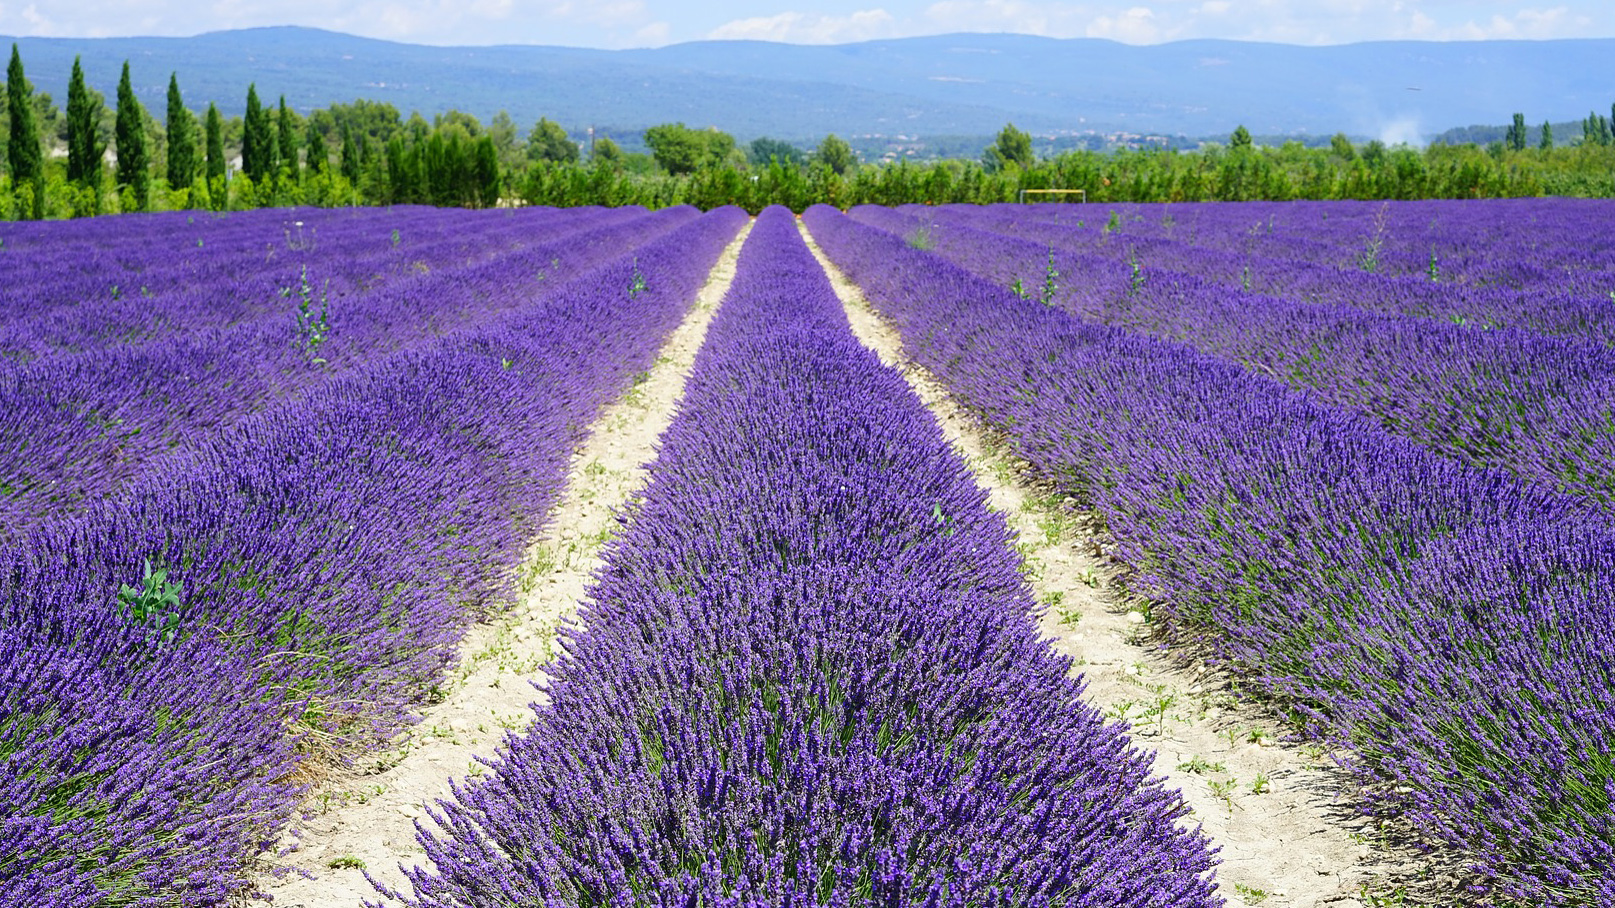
<point>1394,521</point>
<point>262,474</point>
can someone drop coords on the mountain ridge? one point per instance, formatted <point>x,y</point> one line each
<point>957,84</point>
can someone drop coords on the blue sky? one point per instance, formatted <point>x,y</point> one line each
<point>649,23</point>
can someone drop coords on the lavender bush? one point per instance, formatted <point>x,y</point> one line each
<point>808,674</point>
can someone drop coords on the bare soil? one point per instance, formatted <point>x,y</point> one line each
<point>363,819</point>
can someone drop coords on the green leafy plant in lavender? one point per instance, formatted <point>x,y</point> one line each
<point>1051,284</point>
<point>637,285</point>
<point>395,237</point>
<point>312,328</point>
<point>1135,280</point>
<point>1113,225</point>
<point>154,604</point>
<point>1369,260</point>
<point>920,238</point>
<point>1434,270</point>
<point>1051,278</point>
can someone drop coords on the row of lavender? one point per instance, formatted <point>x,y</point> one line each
<point>245,282</point>
<point>1563,302</point>
<point>65,287</point>
<point>808,674</point>
<point>1540,407</point>
<point>1542,245</point>
<point>293,583</point>
<point>77,427</point>
<point>1447,627</point>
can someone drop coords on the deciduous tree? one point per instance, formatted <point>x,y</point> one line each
<point>1011,147</point>
<point>763,150</point>
<point>836,154</point>
<point>606,151</point>
<point>680,149</point>
<point>549,142</point>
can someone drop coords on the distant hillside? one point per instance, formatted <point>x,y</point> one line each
<point>960,85</point>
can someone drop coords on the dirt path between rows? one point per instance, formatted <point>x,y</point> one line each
<point>364,819</point>
<point>1283,817</point>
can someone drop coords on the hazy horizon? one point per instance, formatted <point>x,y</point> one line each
<point>653,23</point>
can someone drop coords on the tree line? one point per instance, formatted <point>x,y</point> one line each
<point>121,159</point>
<point>366,153</point>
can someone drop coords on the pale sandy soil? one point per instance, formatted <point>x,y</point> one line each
<point>365,817</point>
<point>1282,815</point>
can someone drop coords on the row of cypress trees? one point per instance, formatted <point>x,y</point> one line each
<point>86,151</point>
<point>439,169</point>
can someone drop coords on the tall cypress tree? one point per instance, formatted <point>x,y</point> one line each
<point>84,147</point>
<point>213,135</point>
<point>350,156</point>
<point>130,135</point>
<point>318,157</point>
<point>485,171</point>
<point>213,127</point>
<point>285,139</point>
<point>257,140</point>
<point>1515,137</point>
<point>23,153</point>
<point>181,138</point>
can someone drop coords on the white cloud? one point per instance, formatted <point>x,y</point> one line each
<point>37,24</point>
<point>1557,22</point>
<point>1055,20</point>
<point>493,9</point>
<point>1137,25</point>
<point>653,35</point>
<point>800,28</point>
